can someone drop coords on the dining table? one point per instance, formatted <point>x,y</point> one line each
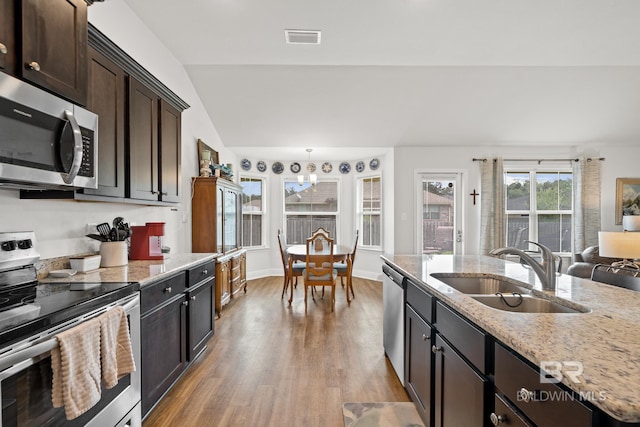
<point>299,253</point>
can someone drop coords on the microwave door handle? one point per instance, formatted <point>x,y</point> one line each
<point>77,149</point>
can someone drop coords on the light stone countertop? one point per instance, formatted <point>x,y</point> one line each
<point>605,340</point>
<point>142,272</point>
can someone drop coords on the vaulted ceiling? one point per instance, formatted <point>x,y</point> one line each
<point>408,72</point>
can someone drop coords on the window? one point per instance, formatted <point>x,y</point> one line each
<point>252,211</point>
<point>307,207</point>
<point>539,207</point>
<point>369,210</point>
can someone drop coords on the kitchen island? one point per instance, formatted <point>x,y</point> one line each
<point>605,340</point>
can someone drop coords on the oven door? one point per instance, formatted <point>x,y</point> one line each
<point>45,140</point>
<point>25,385</point>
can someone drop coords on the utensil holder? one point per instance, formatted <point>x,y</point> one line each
<point>114,254</point>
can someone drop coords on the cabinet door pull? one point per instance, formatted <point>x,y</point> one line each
<point>154,192</point>
<point>526,395</point>
<point>164,193</point>
<point>167,289</point>
<point>3,49</point>
<point>193,298</point>
<point>33,65</point>
<point>185,303</point>
<point>497,419</point>
<point>205,272</point>
<point>435,349</point>
<point>425,337</point>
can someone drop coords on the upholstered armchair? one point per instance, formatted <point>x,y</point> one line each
<point>586,260</point>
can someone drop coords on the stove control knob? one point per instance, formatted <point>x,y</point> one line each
<point>25,244</point>
<point>9,245</point>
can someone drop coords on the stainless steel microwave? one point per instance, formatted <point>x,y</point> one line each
<point>45,141</point>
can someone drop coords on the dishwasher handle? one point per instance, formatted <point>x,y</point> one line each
<point>392,274</point>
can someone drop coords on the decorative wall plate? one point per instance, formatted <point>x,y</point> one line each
<point>295,167</point>
<point>311,167</point>
<point>261,166</point>
<point>374,163</point>
<point>360,166</point>
<point>245,164</point>
<point>344,167</point>
<point>277,167</point>
<point>327,167</point>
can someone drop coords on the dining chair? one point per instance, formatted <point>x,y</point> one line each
<point>319,269</point>
<point>345,270</point>
<point>296,268</point>
<point>617,276</point>
<point>321,230</point>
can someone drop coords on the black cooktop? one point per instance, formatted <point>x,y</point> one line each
<point>28,308</point>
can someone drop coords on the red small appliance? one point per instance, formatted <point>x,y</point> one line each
<point>146,241</point>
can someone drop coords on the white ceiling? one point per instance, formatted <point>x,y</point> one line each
<point>407,72</point>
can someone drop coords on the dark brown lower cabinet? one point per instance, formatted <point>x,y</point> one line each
<point>419,363</point>
<point>460,391</point>
<point>164,349</point>
<point>200,316</point>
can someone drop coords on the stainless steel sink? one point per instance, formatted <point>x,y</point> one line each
<point>479,284</point>
<point>527,304</point>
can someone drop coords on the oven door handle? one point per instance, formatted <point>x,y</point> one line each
<point>41,348</point>
<point>27,353</point>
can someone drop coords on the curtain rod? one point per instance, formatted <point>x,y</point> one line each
<point>543,160</point>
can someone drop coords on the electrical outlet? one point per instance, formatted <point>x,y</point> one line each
<point>91,228</point>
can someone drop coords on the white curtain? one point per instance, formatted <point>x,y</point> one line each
<point>586,203</point>
<point>492,217</point>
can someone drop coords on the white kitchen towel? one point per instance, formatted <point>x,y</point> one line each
<point>75,362</point>
<point>117,356</point>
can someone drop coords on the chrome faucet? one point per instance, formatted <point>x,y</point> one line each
<point>546,271</point>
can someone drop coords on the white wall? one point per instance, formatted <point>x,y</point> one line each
<point>620,162</point>
<point>266,261</point>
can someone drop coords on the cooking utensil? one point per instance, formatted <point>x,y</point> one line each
<point>117,235</point>
<point>104,229</point>
<point>117,222</point>
<point>98,237</point>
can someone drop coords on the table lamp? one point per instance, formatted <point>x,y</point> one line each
<point>620,244</point>
<point>631,223</point>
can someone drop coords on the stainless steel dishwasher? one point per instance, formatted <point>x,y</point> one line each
<point>393,300</point>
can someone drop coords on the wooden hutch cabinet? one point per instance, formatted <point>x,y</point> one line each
<point>216,227</point>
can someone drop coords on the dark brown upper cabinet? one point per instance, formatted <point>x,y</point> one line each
<point>143,142</point>
<point>7,37</point>
<point>107,98</point>
<point>170,152</point>
<point>54,46</point>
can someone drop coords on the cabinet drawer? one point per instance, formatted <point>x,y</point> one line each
<point>200,273</point>
<point>549,404</point>
<point>157,293</point>
<point>505,415</point>
<point>421,301</point>
<point>467,338</point>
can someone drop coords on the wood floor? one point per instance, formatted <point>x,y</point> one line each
<point>269,364</point>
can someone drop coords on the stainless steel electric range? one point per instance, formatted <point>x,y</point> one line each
<point>31,314</point>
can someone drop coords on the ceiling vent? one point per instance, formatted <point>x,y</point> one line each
<point>302,36</point>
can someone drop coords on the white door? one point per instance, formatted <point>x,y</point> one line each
<point>439,213</point>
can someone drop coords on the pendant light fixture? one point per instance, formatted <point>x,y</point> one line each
<point>313,178</point>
